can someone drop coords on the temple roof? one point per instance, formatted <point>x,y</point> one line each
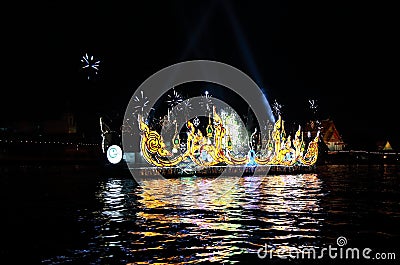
<point>384,146</point>
<point>328,129</point>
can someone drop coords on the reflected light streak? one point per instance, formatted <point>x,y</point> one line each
<point>281,206</point>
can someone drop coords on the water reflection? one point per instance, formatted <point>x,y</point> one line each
<point>114,221</point>
<point>113,197</point>
<point>282,211</point>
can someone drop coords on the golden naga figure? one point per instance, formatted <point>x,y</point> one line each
<point>209,150</point>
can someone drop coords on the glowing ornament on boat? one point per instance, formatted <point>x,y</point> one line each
<point>216,147</point>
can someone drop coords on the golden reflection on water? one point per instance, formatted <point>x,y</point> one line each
<point>194,219</point>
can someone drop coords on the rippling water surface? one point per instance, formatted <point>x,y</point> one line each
<point>77,216</point>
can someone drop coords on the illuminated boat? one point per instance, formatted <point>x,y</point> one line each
<point>208,150</point>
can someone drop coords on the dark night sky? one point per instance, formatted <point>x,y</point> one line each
<point>342,53</point>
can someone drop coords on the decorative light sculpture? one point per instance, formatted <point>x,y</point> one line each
<point>216,146</point>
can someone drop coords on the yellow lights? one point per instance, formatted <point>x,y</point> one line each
<point>217,146</point>
<point>283,151</point>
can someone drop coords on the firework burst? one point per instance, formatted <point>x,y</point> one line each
<point>187,106</point>
<point>277,108</point>
<point>206,102</point>
<point>90,65</point>
<point>174,99</point>
<point>313,105</point>
<point>140,107</point>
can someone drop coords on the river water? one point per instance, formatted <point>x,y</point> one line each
<point>78,215</point>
